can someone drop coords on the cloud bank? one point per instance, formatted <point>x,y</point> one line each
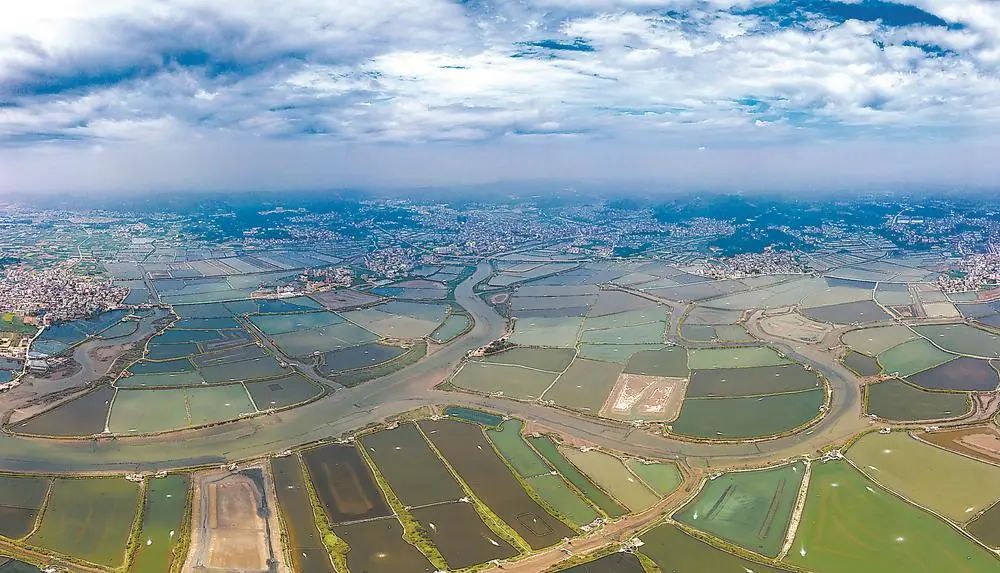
<point>178,94</point>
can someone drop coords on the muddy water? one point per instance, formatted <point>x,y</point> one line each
<point>414,472</point>
<point>83,416</point>
<point>303,540</point>
<point>473,457</point>
<point>377,546</point>
<point>344,483</point>
<point>461,536</point>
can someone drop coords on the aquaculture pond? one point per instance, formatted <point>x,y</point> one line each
<point>948,483</point>
<point>451,328</point>
<point>82,416</point>
<point>751,509</point>
<point>282,392</point>
<point>614,563</point>
<point>747,417</point>
<point>413,471</point>
<point>861,364</point>
<point>302,537</point>
<point>662,478</point>
<point>528,464</point>
<point>851,524</point>
<point>377,546</point>
<point>513,381</point>
<point>160,542</point>
<point>14,566</point>
<point>898,401</point>
<point>363,356</point>
<point>986,527</point>
<point>675,551</point>
<point>473,458</point>
<point>89,518</point>
<point>738,357</point>
<point>725,382</point>
<point>344,483</point>
<point>474,416</point>
<point>460,534</point>
<point>960,374</point>
<point>548,449</point>
<point>585,385</point>
<point>21,498</point>
<point>612,476</point>
<point>671,361</point>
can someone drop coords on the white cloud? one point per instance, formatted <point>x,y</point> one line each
<point>432,71</point>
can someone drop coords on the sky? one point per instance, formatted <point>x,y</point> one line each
<point>173,95</point>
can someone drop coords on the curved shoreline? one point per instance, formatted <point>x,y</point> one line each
<point>348,409</point>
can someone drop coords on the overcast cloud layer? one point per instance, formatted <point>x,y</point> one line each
<point>261,94</point>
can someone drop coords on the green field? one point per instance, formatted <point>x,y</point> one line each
<point>516,451</point>
<point>563,499</point>
<point>10,322</point>
<point>662,478</point>
<point>548,359</point>
<point>89,518</point>
<point>875,341</point>
<point>545,446</point>
<point>550,332</point>
<point>675,551</point>
<point>963,339</point>
<point>528,464</point>
<point>912,357</point>
<point>163,518</point>
<point>898,401</point>
<point>671,361</point>
<point>749,417</point>
<point>955,486</point>
<point>21,498</point>
<point>612,476</point>
<point>150,411</point>
<point>740,357</point>
<point>851,524</point>
<point>513,381</point>
<point>585,385</point>
<point>751,509</point>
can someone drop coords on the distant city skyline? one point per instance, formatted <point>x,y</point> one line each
<point>749,95</point>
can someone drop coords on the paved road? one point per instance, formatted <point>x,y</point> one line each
<point>348,409</point>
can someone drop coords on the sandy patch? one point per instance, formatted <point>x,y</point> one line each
<point>500,298</point>
<point>986,443</point>
<point>640,397</point>
<point>794,326</point>
<point>940,310</point>
<point>233,523</point>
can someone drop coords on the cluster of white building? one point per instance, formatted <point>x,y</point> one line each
<point>56,294</point>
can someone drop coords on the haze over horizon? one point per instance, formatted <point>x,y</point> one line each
<point>727,94</point>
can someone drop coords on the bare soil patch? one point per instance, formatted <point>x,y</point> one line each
<point>794,326</point>
<point>500,298</point>
<point>981,442</point>
<point>637,396</point>
<point>233,525</point>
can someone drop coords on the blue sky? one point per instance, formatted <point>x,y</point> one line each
<point>266,94</point>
